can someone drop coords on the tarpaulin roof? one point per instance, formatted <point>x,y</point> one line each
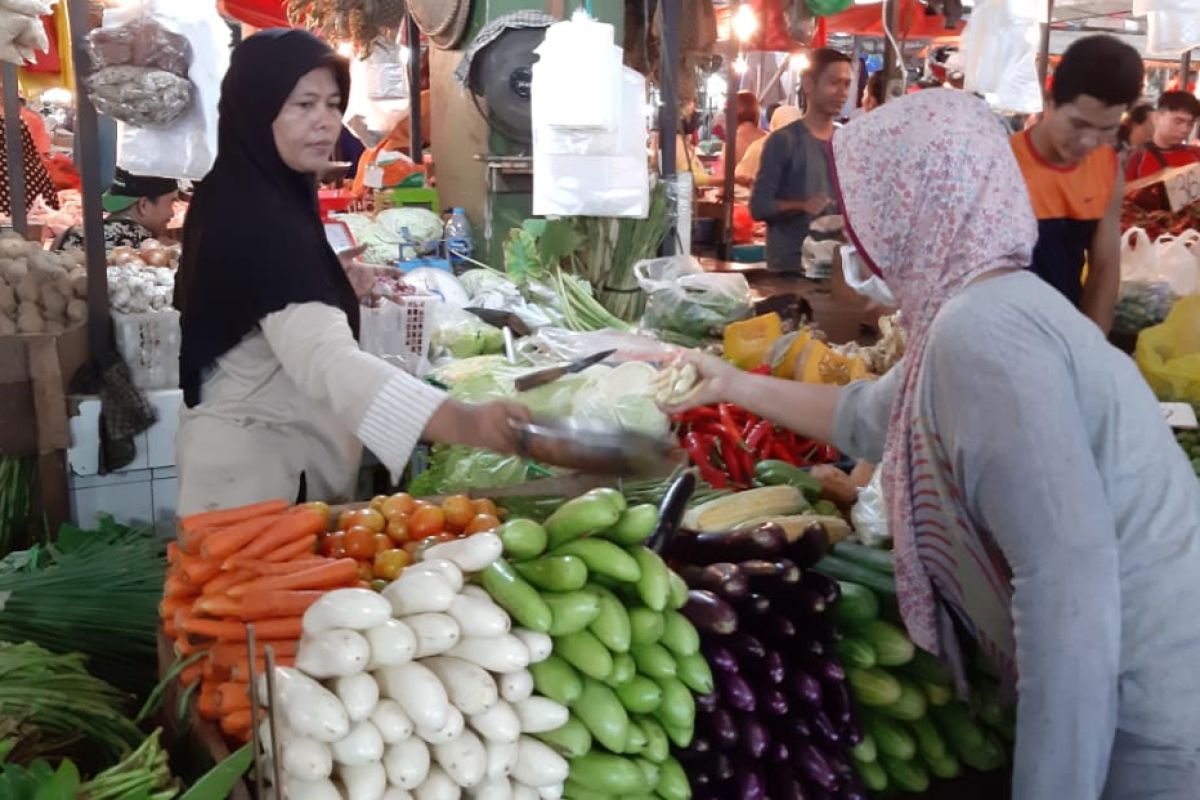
<point>867,20</point>
<point>259,13</point>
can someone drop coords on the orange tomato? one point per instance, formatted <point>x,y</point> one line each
<point>366,570</point>
<point>458,511</point>
<point>323,508</point>
<point>426,521</point>
<point>412,546</point>
<point>382,542</point>
<point>390,563</point>
<point>359,542</point>
<point>370,518</point>
<point>397,530</point>
<point>347,519</point>
<point>485,506</point>
<point>481,523</point>
<point>398,504</point>
<point>332,543</point>
<point>377,501</point>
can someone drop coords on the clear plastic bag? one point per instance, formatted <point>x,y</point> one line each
<point>684,299</point>
<point>999,54</point>
<point>140,96</point>
<point>461,334</point>
<point>869,514</point>
<point>142,42</point>
<point>1141,305</point>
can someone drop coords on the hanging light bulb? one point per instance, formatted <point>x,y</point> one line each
<point>798,63</point>
<point>745,23</point>
<point>740,64</point>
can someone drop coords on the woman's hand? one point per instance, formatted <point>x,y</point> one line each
<point>716,378</point>
<point>362,277</point>
<point>486,425</point>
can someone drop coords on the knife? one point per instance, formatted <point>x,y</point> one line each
<point>542,377</point>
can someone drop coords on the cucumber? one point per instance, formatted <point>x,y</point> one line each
<point>646,626</point>
<point>678,596</point>
<point>583,651</point>
<point>556,679</point>
<point>870,557</point>
<point>955,723</point>
<point>946,767</point>
<point>891,738</point>
<point>554,573</point>
<point>602,558</point>
<point>911,706</point>
<point>678,708</point>
<point>514,595</point>
<point>672,781</point>
<point>843,570</point>
<point>654,583</point>
<point>892,647</point>
<point>695,673</point>
<point>611,625</point>
<point>623,670</point>
<point>522,538</point>
<point>634,526</point>
<point>581,516</point>
<point>654,661</point>
<point>679,634</point>
<point>635,741</point>
<point>873,687</point>
<point>929,742</point>
<point>938,695</point>
<point>985,758</point>
<point>928,668</point>
<point>873,775</point>
<point>856,605</point>
<point>571,612</point>
<point>909,776</point>
<point>658,746</point>
<point>855,653</point>
<point>611,495</point>
<point>865,750</point>
<point>570,740</point>
<point>575,791</point>
<point>608,774</point>
<point>640,695</point>
<point>606,719</point>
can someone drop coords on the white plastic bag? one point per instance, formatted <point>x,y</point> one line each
<point>399,332</point>
<point>999,48</point>
<point>379,91</point>
<point>1178,261</point>
<point>1137,257</point>
<point>187,147</point>
<point>869,514</point>
<point>684,299</point>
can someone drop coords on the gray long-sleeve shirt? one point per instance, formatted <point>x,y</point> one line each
<point>795,166</point>
<point>1059,449</point>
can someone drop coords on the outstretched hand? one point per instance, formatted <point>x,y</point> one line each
<point>715,378</point>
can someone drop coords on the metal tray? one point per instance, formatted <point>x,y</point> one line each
<point>598,451</point>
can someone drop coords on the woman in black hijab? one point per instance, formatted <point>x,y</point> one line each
<point>277,392</point>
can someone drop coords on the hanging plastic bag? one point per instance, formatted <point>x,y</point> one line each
<point>379,90</point>
<point>869,514</point>
<point>1178,263</point>
<point>1169,354</point>
<point>684,299</point>
<point>1137,256</point>
<point>999,48</point>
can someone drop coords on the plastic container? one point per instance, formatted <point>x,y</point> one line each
<point>458,237</point>
<point>149,343</point>
<point>400,332</point>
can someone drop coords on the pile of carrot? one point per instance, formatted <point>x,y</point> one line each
<point>229,568</point>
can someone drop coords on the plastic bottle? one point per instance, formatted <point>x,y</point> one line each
<point>458,239</point>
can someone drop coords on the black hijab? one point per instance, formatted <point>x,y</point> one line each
<point>253,242</point>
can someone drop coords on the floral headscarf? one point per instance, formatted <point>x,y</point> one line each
<point>933,199</point>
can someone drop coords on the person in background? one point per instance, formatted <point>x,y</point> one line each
<point>747,169</point>
<point>1137,128</point>
<point>748,130</point>
<point>139,207</point>
<point>37,180</point>
<point>1174,120</point>
<point>1072,172</point>
<point>875,91</point>
<point>793,185</point>
<point>398,142</point>
<point>1042,513</point>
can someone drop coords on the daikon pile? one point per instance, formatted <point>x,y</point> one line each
<point>40,291</point>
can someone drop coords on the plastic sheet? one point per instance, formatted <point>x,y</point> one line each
<point>1169,354</point>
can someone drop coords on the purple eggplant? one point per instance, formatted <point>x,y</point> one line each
<point>710,613</point>
<point>736,693</point>
<point>746,645</point>
<point>762,541</point>
<point>810,547</point>
<point>837,702</point>
<point>721,728</point>
<point>753,736</point>
<point>812,647</point>
<point>825,586</point>
<point>811,763</point>
<point>801,729</point>
<point>824,729</point>
<point>785,784</point>
<point>811,602</point>
<point>771,578</point>
<point>772,700</point>
<point>832,671</point>
<point>806,689</point>
<point>768,670</point>
<point>723,579</point>
<point>720,657</point>
<point>707,702</point>
<point>700,747</point>
<point>699,780</point>
<point>780,753</point>
<point>750,784</point>
<point>754,605</point>
<point>778,627</point>
<point>854,793</point>
<point>722,767</point>
<point>670,513</point>
<point>852,733</point>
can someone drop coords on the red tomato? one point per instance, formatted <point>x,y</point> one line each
<point>426,521</point>
<point>359,542</point>
<point>481,523</point>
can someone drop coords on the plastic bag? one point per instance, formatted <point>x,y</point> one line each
<point>1141,305</point>
<point>1169,354</point>
<point>142,42</point>
<point>684,299</point>
<point>999,48</point>
<point>140,96</point>
<point>557,345</point>
<point>379,92</point>
<point>398,332</point>
<point>869,514</point>
<point>461,334</point>
<point>1172,260</point>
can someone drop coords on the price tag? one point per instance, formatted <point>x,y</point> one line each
<point>337,233</point>
<point>373,176</point>
<point>1179,415</point>
<point>1183,186</point>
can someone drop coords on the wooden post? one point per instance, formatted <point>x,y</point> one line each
<point>731,124</point>
<point>14,151</point>
<point>668,116</point>
<point>416,139</point>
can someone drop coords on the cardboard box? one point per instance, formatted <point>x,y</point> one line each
<point>35,370</point>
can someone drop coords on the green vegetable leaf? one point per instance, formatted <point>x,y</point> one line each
<point>218,782</point>
<point>62,784</point>
<point>521,256</point>
<point>558,240</point>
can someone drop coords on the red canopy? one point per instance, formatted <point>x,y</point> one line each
<point>259,13</point>
<point>867,20</point>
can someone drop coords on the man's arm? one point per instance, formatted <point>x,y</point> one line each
<point>1103,286</point>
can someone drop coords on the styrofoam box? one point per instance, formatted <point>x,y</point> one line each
<point>149,343</point>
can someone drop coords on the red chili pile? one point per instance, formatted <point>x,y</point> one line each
<point>725,442</point>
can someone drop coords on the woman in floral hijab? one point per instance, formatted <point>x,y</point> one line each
<point>1039,505</point>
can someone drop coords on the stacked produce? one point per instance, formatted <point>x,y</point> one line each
<point>914,727</point>
<point>40,291</point>
<point>780,723</point>
<point>423,688</point>
<point>142,279</point>
<point>254,564</point>
<point>625,662</point>
<point>143,773</point>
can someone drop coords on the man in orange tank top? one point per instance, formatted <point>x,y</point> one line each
<point>1073,174</point>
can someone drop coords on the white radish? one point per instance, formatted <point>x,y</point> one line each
<point>501,757</point>
<point>407,763</point>
<point>419,693</point>
<point>264,733</point>
<point>523,792</point>
<point>436,633</point>
<point>363,781</point>
<point>392,642</point>
<point>358,693</point>
<point>353,609</point>
<point>361,746</point>
<point>440,566</point>
<point>396,793</point>
<point>419,592</point>
<point>308,707</point>
<point>499,723</point>
<point>470,554</point>
<point>471,590</point>
<point>333,653</point>
<point>501,654</point>
<point>538,644</point>
<point>478,618</point>
<point>540,714</point>
<point>493,789</point>
<point>323,789</point>
<point>537,765</point>
<point>455,722</point>
<point>516,686</point>
<point>391,721</point>
<point>307,759</point>
<point>463,758</point>
<point>470,687</point>
<point>438,786</point>
<point>554,792</point>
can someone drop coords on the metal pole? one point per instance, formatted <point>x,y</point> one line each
<point>731,124</point>
<point>1185,70</point>
<point>416,140</point>
<point>14,151</point>
<point>893,62</point>
<point>668,115</point>
<point>99,323</point>
<point>1044,48</point>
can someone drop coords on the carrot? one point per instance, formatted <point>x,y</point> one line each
<point>189,541</point>
<point>232,697</point>
<point>221,544</point>
<point>198,571</point>
<point>184,646</point>
<point>192,673</point>
<point>230,654</point>
<point>206,703</point>
<point>285,530</point>
<point>264,604</point>
<point>230,516</point>
<point>304,546</point>
<point>236,724</point>
<point>169,605</point>
<point>177,586</point>
<point>261,567</point>
<point>220,606</point>
<point>222,582</point>
<point>241,672</point>
<point>333,575</point>
<point>172,552</point>
<point>224,630</point>
<point>168,627</point>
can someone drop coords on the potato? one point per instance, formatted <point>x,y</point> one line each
<point>27,289</point>
<point>8,299</point>
<point>55,328</point>
<point>28,307</point>
<point>53,303</point>
<point>7,326</point>
<point>15,270</point>
<point>12,245</point>
<point>31,323</point>
<point>77,310</point>
<point>79,282</point>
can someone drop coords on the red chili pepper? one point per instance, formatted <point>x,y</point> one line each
<point>747,466</point>
<point>758,434</point>
<point>699,449</point>
<point>733,465</point>
<point>830,454</point>
<point>783,453</point>
<point>700,414</point>
<point>761,369</point>
<point>728,423</point>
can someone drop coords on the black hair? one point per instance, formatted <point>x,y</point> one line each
<point>747,107</point>
<point>877,86</point>
<point>1102,67</point>
<point>823,58</point>
<point>771,110</point>
<point>1179,101</point>
<point>1136,116</point>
